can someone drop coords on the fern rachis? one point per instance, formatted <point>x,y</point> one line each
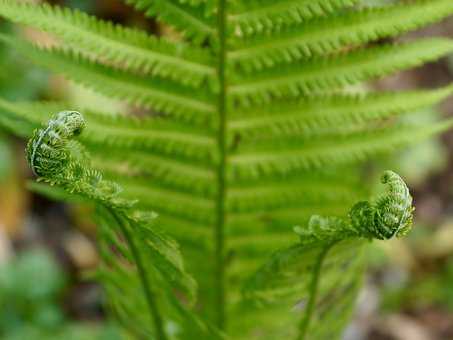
<point>256,133</point>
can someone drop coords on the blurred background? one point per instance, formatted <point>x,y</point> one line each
<point>47,248</point>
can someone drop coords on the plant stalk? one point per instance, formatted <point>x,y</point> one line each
<point>220,220</point>
<point>149,295</point>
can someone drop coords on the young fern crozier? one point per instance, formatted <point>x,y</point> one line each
<point>327,241</point>
<point>57,158</point>
<point>254,126</point>
<point>390,215</point>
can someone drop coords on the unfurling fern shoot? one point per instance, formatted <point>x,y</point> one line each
<point>256,127</point>
<point>48,152</point>
<point>390,215</point>
<point>57,158</point>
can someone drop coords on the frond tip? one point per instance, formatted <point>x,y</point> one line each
<point>56,158</point>
<point>64,125</point>
<point>390,215</point>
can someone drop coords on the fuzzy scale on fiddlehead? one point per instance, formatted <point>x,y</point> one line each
<point>55,157</point>
<point>390,215</point>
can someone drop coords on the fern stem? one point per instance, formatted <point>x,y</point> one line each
<point>220,223</point>
<point>157,320</point>
<point>313,293</point>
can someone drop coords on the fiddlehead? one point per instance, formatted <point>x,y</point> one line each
<point>389,215</point>
<point>55,157</point>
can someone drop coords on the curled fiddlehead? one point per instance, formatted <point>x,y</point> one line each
<point>47,151</point>
<point>55,157</point>
<point>391,214</point>
<point>388,216</point>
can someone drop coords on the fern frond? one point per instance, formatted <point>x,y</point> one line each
<point>152,135</point>
<point>168,143</point>
<point>253,223</point>
<point>122,283</point>
<point>331,73</point>
<point>56,158</point>
<point>207,3</point>
<point>344,181</point>
<point>311,114</point>
<point>175,203</point>
<point>265,196</point>
<point>191,235</point>
<point>325,35</point>
<point>296,276</point>
<point>35,113</point>
<point>390,215</point>
<point>293,155</point>
<point>317,273</point>
<point>256,247</point>
<point>252,232</point>
<point>278,219</point>
<point>124,48</point>
<point>160,95</point>
<point>196,23</point>
<point>12,124</point>
<point>251,130</point>
<point>114,159</point>
<point>171,171</point>
<point>272,283</point>
<point>142,169</point>
<point>257,16</point>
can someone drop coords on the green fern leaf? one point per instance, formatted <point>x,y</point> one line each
<point>174,172</point>
<point>314,114</point>
<point>121,47</point>
<point>276,193</point>
<point>256,16</point>
<point>289,156</point>
<point>324,35</point>
<point>55,157</point>
<point>318,295</point>
<point>122,159</point>
<point>251,129</point>
<point>332,73</point>
<point>160,95</point>
<point>154,136</point>
<point>196,23</point>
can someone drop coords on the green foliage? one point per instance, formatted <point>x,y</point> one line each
<point>31,286</point>
<point>391,215</point>
<point>303,275</point>
<point>22,297</point>
<point>23,81</point>
<point>253,129</point>
<point>55,157</point>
